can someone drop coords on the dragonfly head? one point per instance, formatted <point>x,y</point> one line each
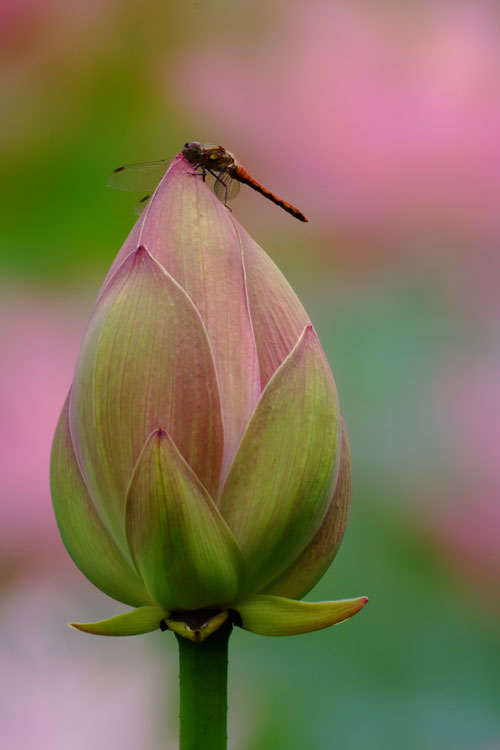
<point>192,151</point>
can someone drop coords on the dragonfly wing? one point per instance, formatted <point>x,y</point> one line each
<point>233,188</point>
<point>223,185</point>
<point>139,207</point>
<point>138,178</point>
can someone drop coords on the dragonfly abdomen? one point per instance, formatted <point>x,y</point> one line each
<point>243,176</point>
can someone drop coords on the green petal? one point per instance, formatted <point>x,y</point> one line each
<point>315,560</point>
<point>140,620</point>
<point>87,540</point>
<point>274,615</point>
<point>182,546</point>
<point>282,478</point>
<point>145,361</point>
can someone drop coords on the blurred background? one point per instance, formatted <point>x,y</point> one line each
<point>380,120</point>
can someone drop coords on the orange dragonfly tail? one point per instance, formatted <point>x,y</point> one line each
<point>243,176</point>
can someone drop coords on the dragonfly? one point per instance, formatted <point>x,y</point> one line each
<point>216,165</point>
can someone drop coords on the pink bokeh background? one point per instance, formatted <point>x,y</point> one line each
<point>40,343</point>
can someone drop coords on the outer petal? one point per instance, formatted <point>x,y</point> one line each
<point>145,361</point>
<point>273,615</point>
<point>277,314</point>
<point>182,546</point>
<point>86,538</point>
<point>193,236</point>
<point>282,477</point>
<point>315,560</point>
<point>141,620</point>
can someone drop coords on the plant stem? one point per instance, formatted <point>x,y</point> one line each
<point>203,691</point>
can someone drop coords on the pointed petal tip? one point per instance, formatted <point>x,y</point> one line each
<point>83,627</point>
<point>356,605</point>
<point>307,338</point>
<point>159,434</point>
<point>141,255</point>
<point>310,333</point>
<point>158,438</point>
<point>134,261</point>
<point>307,331</point>
<point>179,165</point>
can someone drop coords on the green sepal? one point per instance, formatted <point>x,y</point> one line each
<point>275,615</point>
<point>136,622</point>
<point>180,543</point>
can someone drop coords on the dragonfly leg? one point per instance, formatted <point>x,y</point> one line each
<point>200,171</point>
<point>197,174</point>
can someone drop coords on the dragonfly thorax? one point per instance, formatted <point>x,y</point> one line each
<point>208,156</point>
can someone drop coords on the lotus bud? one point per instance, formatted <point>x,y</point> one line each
<point>200,468</point>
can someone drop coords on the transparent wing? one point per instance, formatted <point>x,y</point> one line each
<point>223,185</point>
<point>138,178</point>
<point>139,207</point>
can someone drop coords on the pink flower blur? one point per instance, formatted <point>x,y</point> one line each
<point>385,117</point>
<point>39,344</point>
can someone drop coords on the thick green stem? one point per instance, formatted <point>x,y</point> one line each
<point>203,691</point>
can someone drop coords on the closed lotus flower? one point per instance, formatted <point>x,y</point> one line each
<point>200,467</point>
